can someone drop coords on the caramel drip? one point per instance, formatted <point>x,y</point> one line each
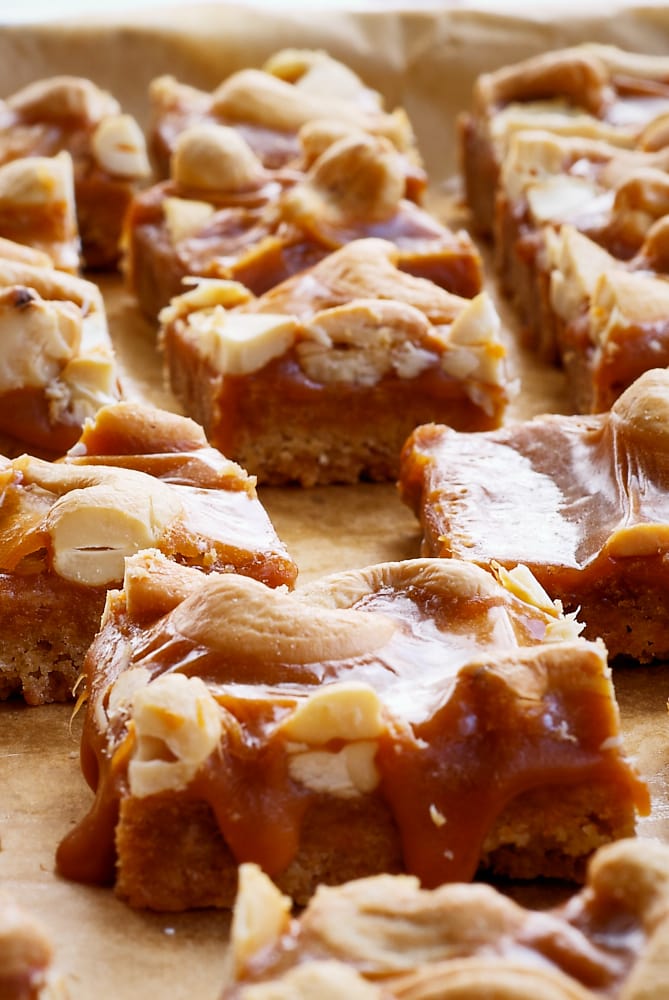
<point>488,745</point>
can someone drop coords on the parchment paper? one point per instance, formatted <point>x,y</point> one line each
<point>425,60</point>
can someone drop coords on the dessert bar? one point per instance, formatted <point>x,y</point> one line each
<point>66,528</point>
<point>57,364</point>
<point>321,379</point>
<point>418,716</point>
<point>269,107</point>
<point>581,500</point>
<point>224,215</point>
<point>108,149</point>
<point>593,91</point>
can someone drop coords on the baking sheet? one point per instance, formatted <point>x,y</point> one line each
<point>427,61</point>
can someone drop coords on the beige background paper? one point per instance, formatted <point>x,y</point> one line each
<point>425,60</point>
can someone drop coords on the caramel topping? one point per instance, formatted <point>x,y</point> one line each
<point>352,273</point>
<point>409,678</point>
<point>625,90</point>
<point>606,482</point>
<point>160,443</point>
<point>80,518</point>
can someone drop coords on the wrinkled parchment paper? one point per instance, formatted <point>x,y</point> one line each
<point>427,61</point>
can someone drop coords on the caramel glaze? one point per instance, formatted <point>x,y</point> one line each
<point>162,444</point>
<point>249,239</point>
<point>476,710</point>
<point>573,498</point>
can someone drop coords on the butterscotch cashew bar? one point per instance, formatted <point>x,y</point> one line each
<point>600,549</point>
<point>70,114</point>
<point>355,327</point>
<point>275,727</point>
<point>137,477</point>
<point>593,91</point>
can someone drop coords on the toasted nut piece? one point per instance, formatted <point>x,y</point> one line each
<point>317,135</point>
<point>21,254</point>
<point>270,625</point>
<point>120,148</point>
<point>215,158</point>
<point>262,99</point>
<point>632,879</point>
<point>166,93</point>
<point>260,917</point>
<point>177,725</point>
<point>655,136</point>
<point>534,156</point>
<point>637,540</point>
<point>185,216</point>
<point>239,343</point>
<point>559,196</point>
<point>362,341</point>
<point>347,710</point>
<point>100,516</point>
<point>556,116</point>
<point>357,177</point>
<point>319,73</point>
<point>576,73</point>
<point>474,346</point>
<point>35,180</point>
<point>207,293</point>
<point>643,408</point>
<point>576,265</point>
<point>89,381</point>
<point>523,583</point>
<point>63,97</point>
<point>327,980</point>
<point>122,693</point>
<point>38,338</point>
<point>348,773</point>
<point>621,298</point>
